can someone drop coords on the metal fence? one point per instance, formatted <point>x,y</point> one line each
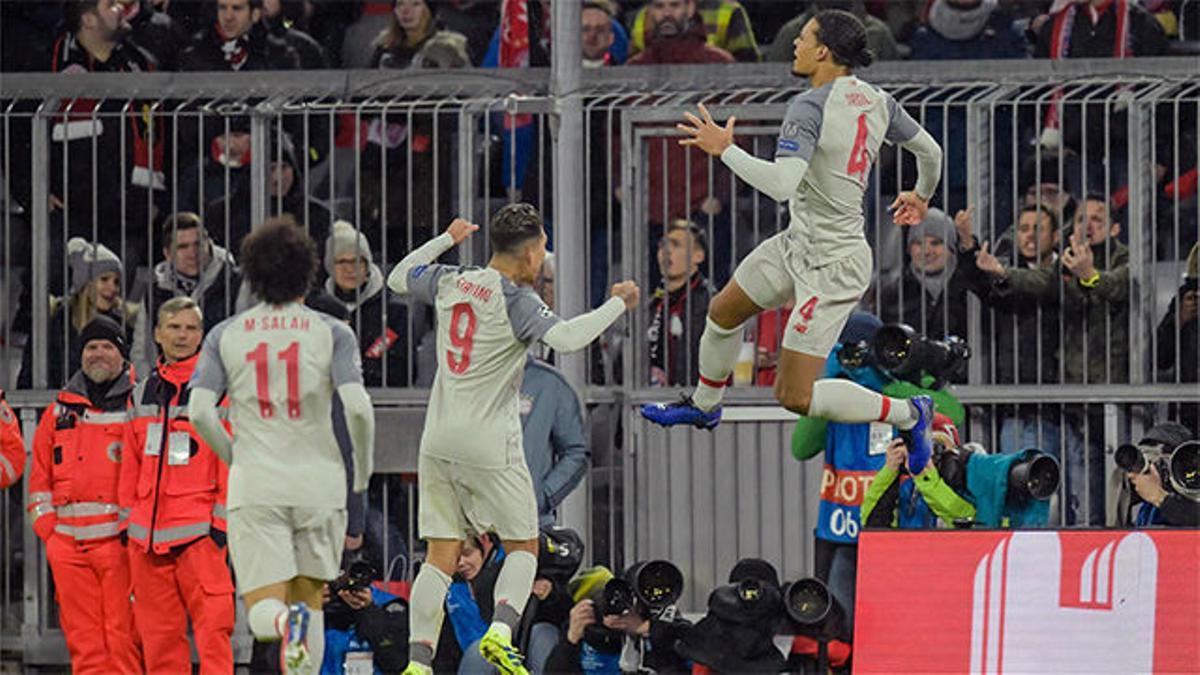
<point>396,157</point>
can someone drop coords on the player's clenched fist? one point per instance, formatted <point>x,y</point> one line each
<point>461,229</point>
<point>627,291</point>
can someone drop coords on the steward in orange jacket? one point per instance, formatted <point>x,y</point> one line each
<point>73,504</point>
<point>173,489</point>
<point>12,446</point>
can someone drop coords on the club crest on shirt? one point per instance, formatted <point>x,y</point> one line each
<point>113,451</point>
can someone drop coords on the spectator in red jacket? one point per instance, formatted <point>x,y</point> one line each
<point>73,506</point>
<point>12,446</point>
<point>172,490</point>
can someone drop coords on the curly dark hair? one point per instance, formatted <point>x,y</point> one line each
<point>513,225</point>
<point>279,260</point>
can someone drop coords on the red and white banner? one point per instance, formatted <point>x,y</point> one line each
<point>1087,601</point>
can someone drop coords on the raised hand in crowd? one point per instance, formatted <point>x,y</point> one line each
<point>986,262</point>
<point>1077,257</point>
<point>963,223</point>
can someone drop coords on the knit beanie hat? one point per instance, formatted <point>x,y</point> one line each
<point>103,328</point>
<point>88,261</point>
<point>342,239</point>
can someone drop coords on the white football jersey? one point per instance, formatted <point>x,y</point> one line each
<point>838,129</point>
<point>280,366</point>
<point>485,324</point>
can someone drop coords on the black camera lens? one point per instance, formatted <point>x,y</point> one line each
<point>1130,458</point>
<point>658,583</point>
<point>1185,468</point>
<point>893,345</point>
<point>808,601</point>
<point>1035,476</point>
<point>617,598</point>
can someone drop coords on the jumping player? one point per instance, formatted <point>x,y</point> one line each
<point>829,139</point>
<point>472,469</point>
<point>280,363</point>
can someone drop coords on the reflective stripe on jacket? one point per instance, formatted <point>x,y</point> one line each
<point>171,502</point>
<point>77,453</point>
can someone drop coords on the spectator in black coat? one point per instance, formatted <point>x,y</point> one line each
<point>679,311</point>
<point>280,19</point>
<point>378,318</point>
<point>931,293</point>
<point>195,267</point>
<point>1178,338</point>
<point>156,32</point>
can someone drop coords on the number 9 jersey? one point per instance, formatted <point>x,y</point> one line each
<point>485,325</point>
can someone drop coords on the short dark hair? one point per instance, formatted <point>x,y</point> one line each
<point>279,260</point>
<point>698,238</point>
<point>513,225</point>
<point>177,222</point>
<point>1098,197</point>
<point>845,36</point>
<point>1045,211</point>
<point>73,11</point>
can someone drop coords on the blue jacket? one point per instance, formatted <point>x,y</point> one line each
<point>463,610</point>
<point>556,449</point>
<point>339,642</point>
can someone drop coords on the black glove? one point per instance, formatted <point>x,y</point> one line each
<point>218,536</point>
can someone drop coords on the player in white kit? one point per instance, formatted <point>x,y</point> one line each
<point>829,139</point>
<point>471,468</point>
<point>280,363</point>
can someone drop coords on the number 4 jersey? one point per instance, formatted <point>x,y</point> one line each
<point>485,325</point>
<point>837,128</point>
<point>280,366</point>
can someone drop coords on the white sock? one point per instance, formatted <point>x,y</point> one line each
<point>267,619</point>
<point>844,401</point>
<point>719,349</point>
<point>316,638</point>
<point>513,586</point>
<point>426,612</point>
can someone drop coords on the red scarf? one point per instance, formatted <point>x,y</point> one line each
<point>1060,43</point>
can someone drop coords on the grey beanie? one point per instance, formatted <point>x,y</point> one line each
<point>345,238</point>
<point>88,261</point>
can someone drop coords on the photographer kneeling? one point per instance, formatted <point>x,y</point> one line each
<point>364,626</point>
<point>611,630</point>
<point>1163,470</point>
<point>890,500</point>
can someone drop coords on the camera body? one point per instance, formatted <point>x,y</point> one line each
<point>902,352</point>
<point>1179,467</point>
<point>360,574</point>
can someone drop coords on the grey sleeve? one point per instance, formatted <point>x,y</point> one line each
<point>901,126</point>
<point>529,316</point>
<point>423,281</point>
<point>210,371</point>
<point>801,126</point>
<point>346,365</point>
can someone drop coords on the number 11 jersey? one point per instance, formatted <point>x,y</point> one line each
<point>485,324</point>
<point>280,366</point>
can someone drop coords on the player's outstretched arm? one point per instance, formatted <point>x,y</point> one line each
<point>202,411</point>
<point>577,333</point>
<point>455,234</point>
<point>778,179</point>
<point>910,207</point>
<point>360,422</point>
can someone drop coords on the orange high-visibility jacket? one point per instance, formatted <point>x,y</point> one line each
<point>12,446</point>
<point>172,484</point>
<point>77,451</point>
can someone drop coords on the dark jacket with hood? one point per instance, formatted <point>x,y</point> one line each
<point>380,320</point>
<point>214,290</point>
<point>158,33</point>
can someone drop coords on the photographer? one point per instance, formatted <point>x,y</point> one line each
<point>469,606</point>
<point>363,624</point>
<point>1161,502</point>
<point>853,453</point>
<point>890,500</point>
<point>605,639</point>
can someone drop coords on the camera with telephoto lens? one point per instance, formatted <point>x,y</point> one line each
<point>1179,467</point>
<point>812,609</point>
<point>647,588</point>
<point>907,355</point>
<point>1035,476</point>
